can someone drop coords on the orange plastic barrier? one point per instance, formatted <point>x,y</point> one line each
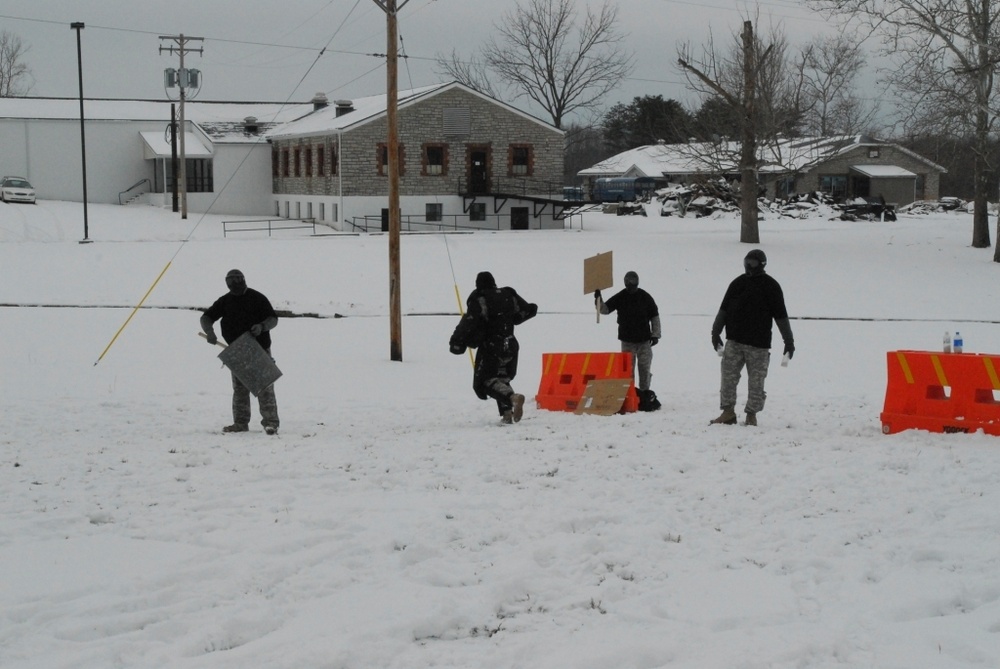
<point>565,377</point>
<point>942,392</point>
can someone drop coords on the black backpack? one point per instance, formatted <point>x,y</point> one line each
<point>648,401</point>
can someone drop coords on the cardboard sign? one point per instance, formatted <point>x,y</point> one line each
<point>597,273</point>
<point>603,397</point>
<point>250,363</point>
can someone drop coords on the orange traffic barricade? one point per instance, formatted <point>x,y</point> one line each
<point>565,377</point>
<point>942,392</point>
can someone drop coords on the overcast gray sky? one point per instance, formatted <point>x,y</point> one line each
<point>267,50</point>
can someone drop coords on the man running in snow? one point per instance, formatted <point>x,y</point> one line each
<point>488,326</point>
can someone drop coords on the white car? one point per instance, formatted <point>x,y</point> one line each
<point>16,189</point>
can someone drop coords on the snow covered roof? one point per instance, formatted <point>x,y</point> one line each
<point>788,155</point>
<point>366,109</point>
<point>885,171</point>
<point>156,145</point>
<point>222,121</point>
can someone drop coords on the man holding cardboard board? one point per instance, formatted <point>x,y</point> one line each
<point>638,330</point>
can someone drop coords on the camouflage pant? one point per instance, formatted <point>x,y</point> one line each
<point>756,361</point>
<point>265,399</point>
<point>642,355</point>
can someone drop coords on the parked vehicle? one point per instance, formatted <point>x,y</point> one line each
<point>623,189</point>
<point>16,189</point>
<point>572,193</point>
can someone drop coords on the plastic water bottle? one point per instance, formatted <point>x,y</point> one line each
<point>956,344</point>
<point>947,342</point>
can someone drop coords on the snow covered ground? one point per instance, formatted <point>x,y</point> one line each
<point>392,523</point>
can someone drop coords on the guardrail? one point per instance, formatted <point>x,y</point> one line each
<point>269,225</point>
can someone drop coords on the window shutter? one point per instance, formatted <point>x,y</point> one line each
<point>457,122</point>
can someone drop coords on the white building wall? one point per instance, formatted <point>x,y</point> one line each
<point>47,153</point>
<point>351,210</point>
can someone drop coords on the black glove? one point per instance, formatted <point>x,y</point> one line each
<point>211,338</point>
<point>256,329</point>
<point>457,349</point>
<point>654,341</point>
<point>597,295</point>
<point>716,341</point>
<point>789,349</point>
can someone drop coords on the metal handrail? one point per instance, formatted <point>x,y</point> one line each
<point>133,187</point>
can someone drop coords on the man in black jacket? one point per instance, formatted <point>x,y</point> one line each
<point>752,301</point>
<point>244,309</point>
<point>488,326</point>
<point>638,325</point>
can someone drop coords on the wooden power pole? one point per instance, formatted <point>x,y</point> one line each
<point>183,81</point>
<point>749,227</point>
<point>391,7</point>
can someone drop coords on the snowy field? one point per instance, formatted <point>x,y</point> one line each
<point>393,524</point>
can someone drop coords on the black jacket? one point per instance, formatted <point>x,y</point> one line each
<point>749,306</point>
<point>489,320</point>
<point>239,313</point>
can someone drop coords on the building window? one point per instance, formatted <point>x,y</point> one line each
<point>477,211</point>
<point>287,208</point>
<point>309,209</point>
<point>435,160</point>
<point>277,208</point>
<point>320,160</point>
<point>333,212</point>
<point>298,161</point>
<point>322,211</point>
<point>199,175</point>
<point>873,153</point>
<point>284,162</point>
<point>434,212</point>
<point>382,160</point>
<point>834,185</point>
<point>519,159</point>
<point>298,210</point>
<point>333,161</point>
<point>275,162</point>
<point>309,161</point>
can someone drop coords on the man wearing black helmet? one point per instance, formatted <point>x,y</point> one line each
<point>751,302</point>
<point>488,326</point>
<point>243,309</point>
<point>638,325</point>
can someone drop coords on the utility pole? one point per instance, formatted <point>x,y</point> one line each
<point>78,26</point>
<point>184,81</point>
<point>391,7</point>
<point>749,228</point>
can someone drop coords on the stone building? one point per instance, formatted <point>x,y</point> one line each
<point>467,161</point>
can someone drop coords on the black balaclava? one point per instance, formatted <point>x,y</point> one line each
<point>631,282</point>
<point>236,282</point>
<point>755,262</point>
<point>485,280</point>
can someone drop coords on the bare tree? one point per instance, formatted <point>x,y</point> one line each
<point>15,75</point>
<point>542,54</point>
<point>473,73</point>
<point>753,79</point>
<point>945,54</point>
<point>830,104</point>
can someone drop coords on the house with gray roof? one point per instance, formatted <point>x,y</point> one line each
<point>467,161</point>
<point>846,167</point>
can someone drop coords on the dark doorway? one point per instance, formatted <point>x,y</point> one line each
<point>385,220</point>
<point>518,218</point>
<point>861,186</point>
<point>479,173</point>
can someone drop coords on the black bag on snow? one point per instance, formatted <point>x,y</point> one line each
<point>648,401</point>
